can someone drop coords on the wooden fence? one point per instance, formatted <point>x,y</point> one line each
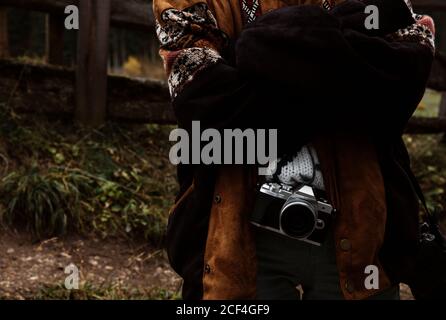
<point>92,103</point>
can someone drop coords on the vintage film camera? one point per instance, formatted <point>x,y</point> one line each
<point>301,213</point>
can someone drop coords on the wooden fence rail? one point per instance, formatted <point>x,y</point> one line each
<point>51,90</point>
<point>138,13</point>
<point>96,18</point>
<point>47,89</point>
<point>434,5</point>
<point>135,14</point>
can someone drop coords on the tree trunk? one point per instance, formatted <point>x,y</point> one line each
<point>122,47</point>
<point>115,52</point>
<point>54,39</point>
<point>4,42</point>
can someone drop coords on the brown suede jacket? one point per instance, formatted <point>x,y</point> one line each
<point>193,34</point>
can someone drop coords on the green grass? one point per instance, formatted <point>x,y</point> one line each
<point>56,178</point>
<point>117,181</point>
<point>428,153</point>
<point>430,105</point>
<point>114,292</point>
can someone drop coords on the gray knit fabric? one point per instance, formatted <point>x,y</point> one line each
<point>301,168</point>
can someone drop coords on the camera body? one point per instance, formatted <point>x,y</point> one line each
<point>302,213</point>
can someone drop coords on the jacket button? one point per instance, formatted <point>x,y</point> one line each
<point>207,269</point>
<point>349,287</point>
<point>217,199</point>
<point>345,245</point>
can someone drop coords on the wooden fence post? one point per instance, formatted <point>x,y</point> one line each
<point>442,112</point>
<point>4,43</point>
<point>91,74</point>
<point>54,39</point>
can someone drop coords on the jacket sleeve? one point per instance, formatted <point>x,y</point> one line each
<point>190,39</point>
<point>352,81</point>
<point>278,70</point>
<point>204,86</point>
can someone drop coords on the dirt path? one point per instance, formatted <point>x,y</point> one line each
<point>110,269</point>
<point>26,268</point>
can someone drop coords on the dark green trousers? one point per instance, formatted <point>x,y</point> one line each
<point>285,264</point>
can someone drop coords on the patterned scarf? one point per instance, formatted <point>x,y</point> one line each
<point>251,10</point>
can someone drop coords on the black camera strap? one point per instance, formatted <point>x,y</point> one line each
<point>430,225</point>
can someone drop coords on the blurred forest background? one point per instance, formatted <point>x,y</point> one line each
<point>98,195</point>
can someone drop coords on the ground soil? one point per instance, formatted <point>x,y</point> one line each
<point>26,268</point>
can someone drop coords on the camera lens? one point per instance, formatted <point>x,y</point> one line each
<point>298,220</point>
